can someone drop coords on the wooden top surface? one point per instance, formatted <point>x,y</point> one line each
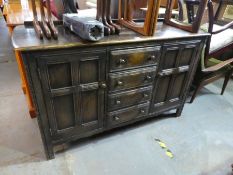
<point>24,38</point>
<point>18,12</point>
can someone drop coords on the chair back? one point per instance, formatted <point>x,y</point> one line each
<point>216,11</point>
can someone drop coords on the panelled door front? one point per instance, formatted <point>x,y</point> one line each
<point>172,78</point>
<point>74,87</point>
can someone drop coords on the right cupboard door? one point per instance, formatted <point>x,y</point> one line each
<point>172,80</point>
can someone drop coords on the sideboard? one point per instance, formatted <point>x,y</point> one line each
<point>82,88</point>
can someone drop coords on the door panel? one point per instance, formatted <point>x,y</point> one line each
<point>162,89</point>
<point>89,71</point>
<point>64,111</point>
<point>59,75</point>
<point>89,106</point>
<point>74,97</point>
<point>178,85</point>
<point>173,75</point>
<point>169,59</point>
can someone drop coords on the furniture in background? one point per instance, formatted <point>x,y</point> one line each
<point>81,88</point>
<point>104,16</point>
<point>224,13</point>
<point>192,26</point>
<point>92,4</point>
<point>191,4</point>
<point>221,41</point>
<point>150,20</point>
<point>162,9</point>
<point>43,23</point>
<point>16,12</point>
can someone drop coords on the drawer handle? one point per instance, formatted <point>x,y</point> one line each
<point>145,95</point>
<point>116,118</point>
<point>103,85</point>
<point>142,111</point>
<point>152,57</point>
<point>120,83</point>
<point>118,102</point>
<point>148,78</point>
<point>122,61</point>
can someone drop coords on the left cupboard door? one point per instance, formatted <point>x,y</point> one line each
<point>74,92</point>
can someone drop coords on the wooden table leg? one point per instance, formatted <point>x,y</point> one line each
<point>10,28</point>
<point>25,85</point>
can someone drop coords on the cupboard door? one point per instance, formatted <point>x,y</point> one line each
<point>173,75</point>
<point>74,88</point>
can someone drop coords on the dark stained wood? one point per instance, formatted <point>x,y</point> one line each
<point>80,89</point>
<point>127,114</point>
<point>129,98</point>
<point>125,59</point>
<point>131,79</point>
<point>24,38</point>
<point>72,84</point>
<point>174,71</point>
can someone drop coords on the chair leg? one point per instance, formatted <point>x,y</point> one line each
<point>200,85</point>
<point>226,80</point>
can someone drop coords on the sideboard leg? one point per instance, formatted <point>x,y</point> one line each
<point>50,156</point>
<point>49,152</point>
<point>179,111</point>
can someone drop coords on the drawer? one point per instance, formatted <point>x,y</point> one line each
<point>131,58</point>
<point>129,98</point>
<point>128,114</point>
<point>131,79</point>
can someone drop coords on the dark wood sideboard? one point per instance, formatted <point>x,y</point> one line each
<point>83,88</point>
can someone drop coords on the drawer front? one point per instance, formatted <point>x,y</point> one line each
<point>129,98</point>
<point>131,79</point>
<point>130,58</point>
<point>128,114</point>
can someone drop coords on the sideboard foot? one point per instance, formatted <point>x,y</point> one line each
<point>179,111</point>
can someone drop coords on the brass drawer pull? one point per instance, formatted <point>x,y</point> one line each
<point>103,85</point>
<point>120,83</point>
<point>116,118</point>
<point>122,61</point>
<point>145,95</point>
<point>118,102</point>
<point>142,111</point>
<point>152,58</point>
<point>148,78</point>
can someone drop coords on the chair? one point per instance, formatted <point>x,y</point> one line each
<point>211,68</point>
<point>187,8</point>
